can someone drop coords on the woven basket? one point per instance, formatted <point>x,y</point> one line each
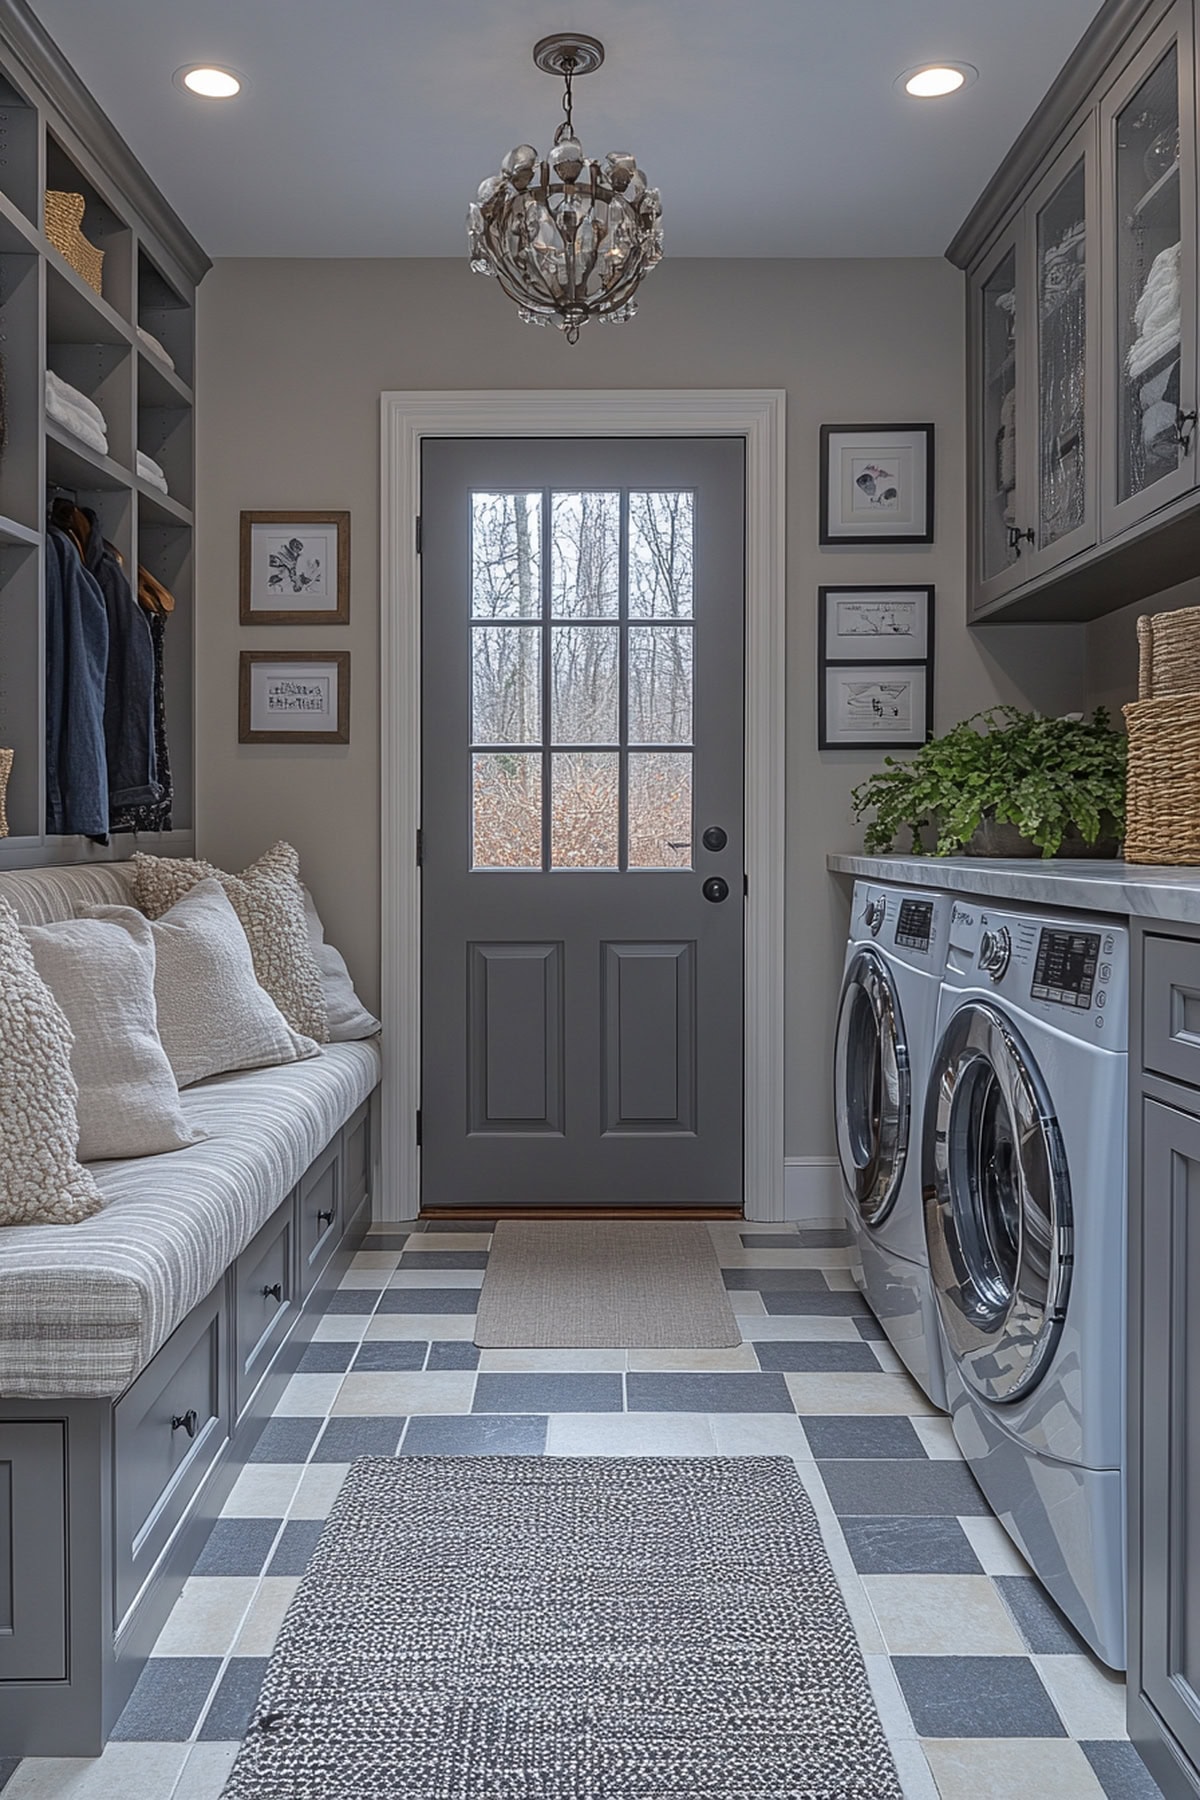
<point>6,763</point>
<point>64,223</point>
<point>1162,796</point>
<point>1169,653</point>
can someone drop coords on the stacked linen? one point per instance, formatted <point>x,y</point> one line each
<point>76,413</point>
<point>149,470</point>
<point>1153,359</point>
<point>152,343</point>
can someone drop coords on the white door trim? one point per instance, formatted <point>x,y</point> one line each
<point>758,416</point>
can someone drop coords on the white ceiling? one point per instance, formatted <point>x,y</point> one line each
<point>771,126</point>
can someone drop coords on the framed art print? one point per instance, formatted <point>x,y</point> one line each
<point>876,484</point>
<point>876,624</point>
<point>293,697</point>
<point>878,706</point>
<point>294,568</point>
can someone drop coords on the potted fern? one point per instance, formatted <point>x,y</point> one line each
<point>1003,783</point>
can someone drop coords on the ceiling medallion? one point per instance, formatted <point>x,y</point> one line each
<point>567,239</point>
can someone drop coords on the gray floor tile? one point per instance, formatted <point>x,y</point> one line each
<point>444,1259</point>
<point>789,1281</point>
<point>795,1358</point>
<point>547,1393</point>
<point>285,1441</point>
<point>976,1696</point>
<point>237,1547</point>
<point>1120,1771</point>
<point>234,1701</point>
<point>395,1239</point>
<point>927,1489</point>
<point>869,1328</point>
<point>353,1300</point>
<point>344,1439</point>
<point>452,1355</point>
<point>770,1240</point>
<point>840,1303</point>
<point>708,1393</point>
<point>165,1704</point>
<point>475,1434</point>
<point>825,1237</point>
<point>908,1546</point>
<point>8,1768</point>
<point>326,1359</point>
<point>429,1300</point>
<point>831,1437</point>
<point>403,1353</point>
<point>1038,1620</point>
<point>294,1549</point>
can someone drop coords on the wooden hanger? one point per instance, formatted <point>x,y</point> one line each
<point>152,595</point>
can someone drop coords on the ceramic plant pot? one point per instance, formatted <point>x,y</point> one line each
<point>994,837</point>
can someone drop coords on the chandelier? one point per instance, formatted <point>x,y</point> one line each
<point>567,239</point>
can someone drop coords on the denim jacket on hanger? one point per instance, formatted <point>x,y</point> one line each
<point>76,672</point>
<point>129,687</point>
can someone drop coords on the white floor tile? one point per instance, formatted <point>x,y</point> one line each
<point>916,1777</point>
<point>422,1327</point>
<point>890,1702</point>
<point>1010,1769</point>
<point>437,1278</point>
<point>759,1434</point>
<point>846,1394</point>
<point>373,1259</point>
<point>552,1362</point>
<point>207,1616</point>
<point>840,1279</point>
<point>942,1615</point>
<point>698,1362</point>
<point>319,1487</point>
<point>308,1396</point>
<point>422,1241</point>
<point>340,1328</point>
<point>937,1435</point>
<point>124,1772</point>
<point>799,1328</point>
<point>997,1553</point>
<point>629,1434</point>
<point>1090,1700</point>
<point>743,1258</point>
<point>263,1491</point>
<point>205,1772</point>
<point>886,1357</point>
<point>395,1394</point>
<point>746,1304</point>
<point>369,1278</point>
<point>260,1627</point>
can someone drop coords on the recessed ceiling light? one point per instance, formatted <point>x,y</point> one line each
<point>933,80</point>
<point>209,82</point>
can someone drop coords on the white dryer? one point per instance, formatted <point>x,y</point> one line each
<point>882,1052</point>
<point>1024,1178</point>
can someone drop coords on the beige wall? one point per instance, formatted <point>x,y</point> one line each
<point>1112,649</point>
<point>293,358</point>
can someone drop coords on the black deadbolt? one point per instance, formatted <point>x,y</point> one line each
<point>715,838</point>
<point>716,888</point>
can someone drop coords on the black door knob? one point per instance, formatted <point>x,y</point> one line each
<point>716,889</point>
<point>274,1292</point>
<point>325,1218</point>
<point>715,838</point>
<point>188,1420</point>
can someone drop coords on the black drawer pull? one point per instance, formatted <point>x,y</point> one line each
<point>325,1218</point>
<point>274,1292</point>
<point>190,1421</point>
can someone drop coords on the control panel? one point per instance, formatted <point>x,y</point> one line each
<point>1066,969</point>
<point>914,927</point>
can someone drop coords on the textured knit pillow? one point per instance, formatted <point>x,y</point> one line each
<point>41,1180</point>
<point>103,978</point>
<point>212,1014</point>
<point>348,1017</point>
<point>269,901</point>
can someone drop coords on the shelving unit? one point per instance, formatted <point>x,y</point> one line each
<point>53,135</point>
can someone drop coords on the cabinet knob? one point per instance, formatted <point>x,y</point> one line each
<point>325,1218</point>
<point>274,1292</point>
<point>1017,537</point>
<point>189,1420</point>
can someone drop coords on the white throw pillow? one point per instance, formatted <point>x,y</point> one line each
<point>41,1180</point>
<point>348,1017</point>
<point>102,975</point>
<point>212,1015</point>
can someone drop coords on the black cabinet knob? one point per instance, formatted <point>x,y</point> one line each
<point>325,1218</point>
<point>716,889</point>
<point>189,1420</point>
<point>274,1292</point>
<point>715,838</point>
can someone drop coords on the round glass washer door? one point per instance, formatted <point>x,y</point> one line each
<point>872,1086</point>
<point>997,1205</point>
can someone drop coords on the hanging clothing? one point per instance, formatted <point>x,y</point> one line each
<point>156,814</point>
<point>129,687</point>
<point>76,674</point>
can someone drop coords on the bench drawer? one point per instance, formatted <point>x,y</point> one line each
<point>1171,1008</point>
<point>320,1210</point>
<point>33,1550</point>
<point>168,1429</point>
<point>264,1299</point>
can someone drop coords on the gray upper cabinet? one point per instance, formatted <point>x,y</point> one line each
<point>1082,261</point>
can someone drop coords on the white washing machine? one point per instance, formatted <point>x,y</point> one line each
<point>1024,1179</point>
<point>882,1051</point>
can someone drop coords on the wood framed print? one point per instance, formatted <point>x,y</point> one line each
<point>875,624</point>
<point>877,484</point>
<point>293,697</point>
<point>882,706</point>
<point>294,568</point>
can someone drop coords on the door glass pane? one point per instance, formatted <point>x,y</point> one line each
<point>506,556</point>
<point>506,687</point>
<point>1148,280</point>
<point>584,809</point>
<point>660,684</point>
<point>998,329</point>
<point>661,530</point>
<point>660,810</point>
<point>1062,345</point>
<point>585,555</point>
<point>507,810</point>
<point>586,693</point>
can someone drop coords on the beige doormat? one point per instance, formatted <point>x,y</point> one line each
<point>601,1284</point>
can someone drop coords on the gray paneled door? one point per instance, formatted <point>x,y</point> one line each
<point>582,766</point>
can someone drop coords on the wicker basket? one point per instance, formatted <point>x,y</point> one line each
<point>1169,653</point>
<point>6,763</point>
<point>1162,797</point>
<point>64,228</point>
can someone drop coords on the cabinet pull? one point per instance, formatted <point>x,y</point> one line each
<point>1016,538</point>
<point>325,1218</point>
<point>274,1292</point>
<point>189,1420</point>
<point>1185,426</point>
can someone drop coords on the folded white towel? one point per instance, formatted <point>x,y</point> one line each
<point>149,470</point>
<point>148,338</point>
<point>71,396</point>
<point>1158,313</point>
<point>77,423</point>
<point>1151,349</point>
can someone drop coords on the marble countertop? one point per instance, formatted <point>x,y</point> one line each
<point>1142,890</point>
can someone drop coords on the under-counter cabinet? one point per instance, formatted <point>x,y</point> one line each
<point>1164,1358</point>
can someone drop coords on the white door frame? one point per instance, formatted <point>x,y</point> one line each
<point>758,416</point>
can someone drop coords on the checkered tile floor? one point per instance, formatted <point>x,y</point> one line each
<point>983,1688</point>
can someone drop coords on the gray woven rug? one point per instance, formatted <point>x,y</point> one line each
<point>600,1284</point>
<point>567,1628</point>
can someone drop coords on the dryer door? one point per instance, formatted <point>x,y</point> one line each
<point>997,1205</point>
<point>872,1086</point>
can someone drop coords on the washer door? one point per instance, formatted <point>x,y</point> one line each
<point>997,1205</point>
<point>872,1086</point>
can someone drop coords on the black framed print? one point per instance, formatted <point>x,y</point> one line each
<point>876,484</point>
<point>877,706</point>
<point>875,624</point>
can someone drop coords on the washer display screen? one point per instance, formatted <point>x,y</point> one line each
<point>915,924</point>
<point>1065,972</point>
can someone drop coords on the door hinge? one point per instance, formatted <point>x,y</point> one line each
<point>418,1128</point>
<point>745,885</point>
<point>420,846</point>
<point>418,534</point>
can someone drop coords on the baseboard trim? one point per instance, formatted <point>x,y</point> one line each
<point>812,1190</point>
<point>581,1212</point>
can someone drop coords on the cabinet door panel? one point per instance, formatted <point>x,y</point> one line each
<point>1001,434</point>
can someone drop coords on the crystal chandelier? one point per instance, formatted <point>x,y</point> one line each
<point>567,239</point>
